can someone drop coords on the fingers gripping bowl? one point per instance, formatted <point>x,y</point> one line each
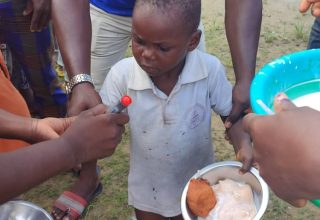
<point>230,170</point>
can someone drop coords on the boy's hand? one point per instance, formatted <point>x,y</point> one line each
<point>305,5</point>
<point>240,103</point>
<point>242,145</point>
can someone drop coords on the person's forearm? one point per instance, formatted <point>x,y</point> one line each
<point>72,26</point>
<point>25,168</point>
<point>243,23</point>
<point>14,126</point>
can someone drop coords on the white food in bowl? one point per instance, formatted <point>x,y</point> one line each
<point>235,196</point>
<point>215,172</point>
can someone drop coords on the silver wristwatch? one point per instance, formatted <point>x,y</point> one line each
<point>77,79</point>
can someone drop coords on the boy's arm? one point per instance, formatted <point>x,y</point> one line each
<point>242,23</point>
<point>241,143</point>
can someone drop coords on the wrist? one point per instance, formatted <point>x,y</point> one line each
<point>245,81</point>
<point>30,131</point>
<point>69,149</point>
<point>14,126</point>
<point>78,79</point>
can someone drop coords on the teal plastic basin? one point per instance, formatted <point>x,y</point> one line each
<point>295,74</point>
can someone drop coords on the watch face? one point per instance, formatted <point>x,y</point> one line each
<point>77,79</point>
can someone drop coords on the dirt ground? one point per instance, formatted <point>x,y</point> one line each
<point>284,30</point>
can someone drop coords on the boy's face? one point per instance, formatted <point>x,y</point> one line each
<point>159,41</point>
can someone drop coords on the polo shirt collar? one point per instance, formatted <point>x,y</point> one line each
<point>193,70</point>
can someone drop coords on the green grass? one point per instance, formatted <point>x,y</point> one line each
<point>269,36</point>
<point>300,32</point>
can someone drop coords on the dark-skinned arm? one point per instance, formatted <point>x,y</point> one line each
<point>72,26</point>
<point>242,23</point>
<point>38,162</point>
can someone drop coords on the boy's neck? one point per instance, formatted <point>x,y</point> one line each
<point>167,82</point>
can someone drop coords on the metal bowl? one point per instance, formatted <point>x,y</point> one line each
<point>22,210</point>
<point>230,169</point>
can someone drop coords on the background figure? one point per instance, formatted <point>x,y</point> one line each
<point>33,51</point>
<point>314,38</point>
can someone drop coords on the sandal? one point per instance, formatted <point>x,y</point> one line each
<point>74,205</point>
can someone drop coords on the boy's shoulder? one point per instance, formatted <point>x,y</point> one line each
<point>206,57</point>
<point>123,67</point>
<point>206,62</point>
<point>125,62</point>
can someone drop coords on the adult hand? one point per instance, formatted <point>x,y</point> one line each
<point>41,13</point>
<point>48,128</point>
<point>240,103</point>
<point>83,97</point>
<point>95,133</point>
<point>314,5</point>
<point>286,150</point>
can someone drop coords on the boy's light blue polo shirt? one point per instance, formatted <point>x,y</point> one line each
<point>170,136</point>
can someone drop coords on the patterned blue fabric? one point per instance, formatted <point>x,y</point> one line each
<point>33,53</point>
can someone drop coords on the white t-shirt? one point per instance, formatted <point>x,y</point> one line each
<point>170,135</point>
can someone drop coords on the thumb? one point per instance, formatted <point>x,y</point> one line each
<point>68,121</point>
<point>248,122</point>
<point>282,103</point>
<point>97,110</point>
<point>28,10</point>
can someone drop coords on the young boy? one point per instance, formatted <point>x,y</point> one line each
<point>173,87</point>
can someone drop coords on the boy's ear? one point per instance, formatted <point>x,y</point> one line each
<point>194,41</point>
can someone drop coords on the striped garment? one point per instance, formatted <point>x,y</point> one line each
<point>33,52</point>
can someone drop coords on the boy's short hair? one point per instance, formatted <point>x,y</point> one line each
<point>188,10</point>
